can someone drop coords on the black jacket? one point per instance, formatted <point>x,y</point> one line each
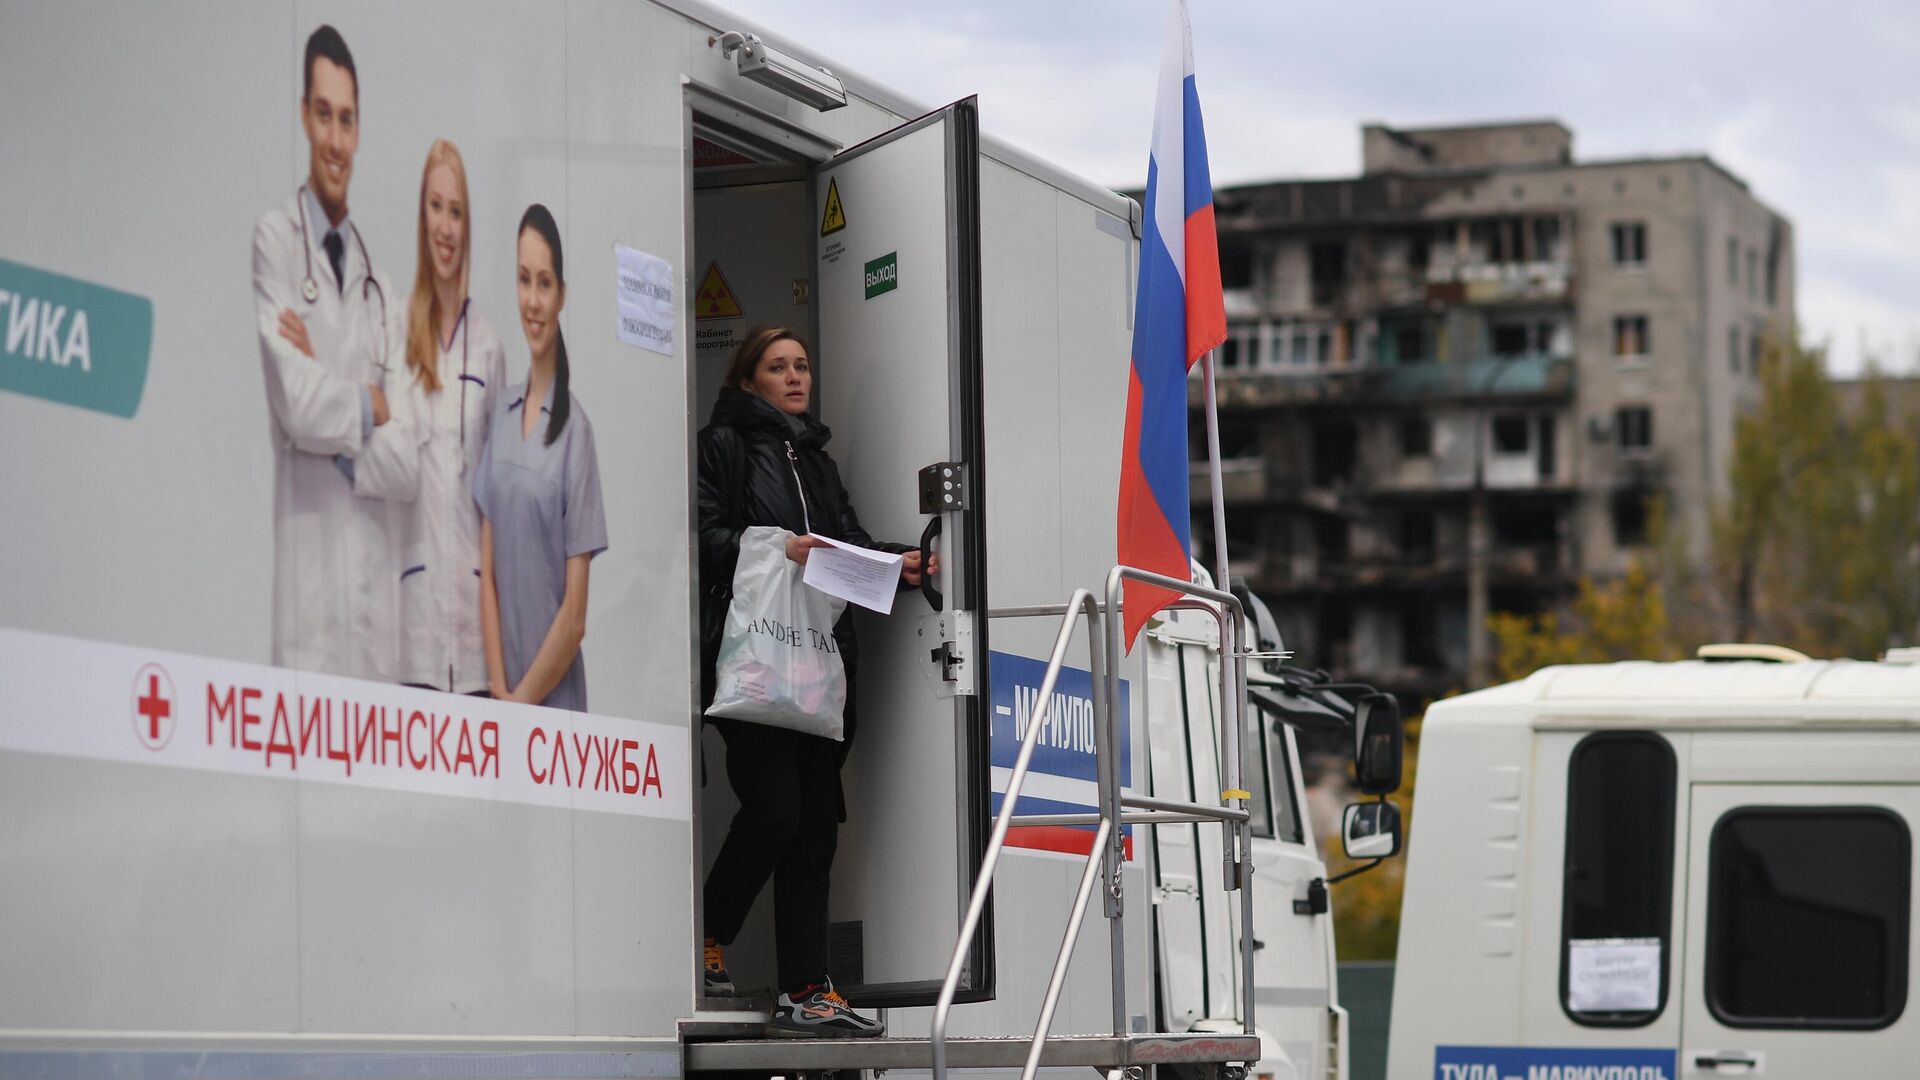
<point>747,424</point>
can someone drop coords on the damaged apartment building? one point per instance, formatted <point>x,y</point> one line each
<point>1454,384</point>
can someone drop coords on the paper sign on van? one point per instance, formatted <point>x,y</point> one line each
<point>1613,974</point>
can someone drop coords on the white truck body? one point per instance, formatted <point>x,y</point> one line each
<point>1641,869</point>
<point>210,865</point>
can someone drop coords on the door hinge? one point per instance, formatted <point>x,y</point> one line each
<point>947,638</point>
<point>943,487</point>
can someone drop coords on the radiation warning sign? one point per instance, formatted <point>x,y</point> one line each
<point>714,299</point>
<point>835,217</point>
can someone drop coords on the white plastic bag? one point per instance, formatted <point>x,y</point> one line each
<point>779,664</point>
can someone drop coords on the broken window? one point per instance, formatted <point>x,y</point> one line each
<point>1420,636</point>
<point>1733,261</point>
<point>1753,353</point>
<point>1510,339</point>
<point>1327,267</point>
<point>1330,539</point>
<point>1416,437</point>
<point>1236,265</point>
<point>1504,239</point>
<point>1416,536</point>
<point>1510,434</point>
<point>1549,465</point>
<point>1630,339</point>
<point>1525,526</point>
<point>1546,239</point>
<point>1420,251</point>
<point>1239,436</point>
<point>1334,451</point>
<point>1336,630</point>
<point>1629,244</point>
<point>1410,343</point>
<point>1773,262</point>
<point>1753,274</point>
<point>1733,349</point>
<point>1629,518</point>
<point>1633,427</point>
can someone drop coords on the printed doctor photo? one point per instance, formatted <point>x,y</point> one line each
<point>455,373</point>
<point>538,488</point>
<point>345,448</point>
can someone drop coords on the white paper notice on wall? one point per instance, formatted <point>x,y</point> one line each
<point>643,299</point>
<point>1613,975</point>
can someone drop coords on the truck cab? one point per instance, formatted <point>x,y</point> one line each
<point>1303,1028</point>
<point>1699,869</point>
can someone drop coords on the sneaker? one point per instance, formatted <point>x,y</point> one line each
<point>714,975</point>
<point>821,1013</point>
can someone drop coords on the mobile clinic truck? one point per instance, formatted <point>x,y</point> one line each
<point>212,862</point>
<point>1659,870</point>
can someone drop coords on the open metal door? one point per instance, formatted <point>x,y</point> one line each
<point>897,281</point>
<point>1194,929</point>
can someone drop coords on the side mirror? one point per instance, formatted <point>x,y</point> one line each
<point>1370,830</point>
<point>1378,740</point>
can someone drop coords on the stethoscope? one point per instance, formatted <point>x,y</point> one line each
<point>466,337</point>
<point>310,289</point>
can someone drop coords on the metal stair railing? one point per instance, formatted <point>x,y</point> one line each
<point>1234,815</point>
<point>1116,809</point>
<point>1081,602</point>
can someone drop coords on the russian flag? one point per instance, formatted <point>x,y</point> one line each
<point>1178,316</point>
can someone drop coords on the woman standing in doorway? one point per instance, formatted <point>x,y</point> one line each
<point>458,369</point>
<point>538,487</point>
<point>763,461</point>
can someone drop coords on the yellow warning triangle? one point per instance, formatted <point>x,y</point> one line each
<point>835,218</point>
<point>715,299</point>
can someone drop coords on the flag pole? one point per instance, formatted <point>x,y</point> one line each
<point>1213,477</point>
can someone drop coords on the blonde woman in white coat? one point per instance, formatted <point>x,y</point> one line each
<point>458,369</point>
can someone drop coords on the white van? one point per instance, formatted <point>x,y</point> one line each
<point>1665,869</point>
<point>211,864</point>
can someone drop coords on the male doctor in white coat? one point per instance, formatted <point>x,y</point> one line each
<point>331,337</point>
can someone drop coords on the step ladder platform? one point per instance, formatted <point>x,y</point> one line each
<point>1091,1051</point>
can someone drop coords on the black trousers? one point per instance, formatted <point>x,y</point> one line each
<point>787,827</point>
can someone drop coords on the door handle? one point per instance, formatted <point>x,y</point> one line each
<point>1732,1062</point>
<point>927,589</point>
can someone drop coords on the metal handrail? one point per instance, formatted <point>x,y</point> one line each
<point>1082,602</point>
<point>1108,844</point>
<point>1238,857</point>
<point>1060,962</point>
<point>1138,817</point>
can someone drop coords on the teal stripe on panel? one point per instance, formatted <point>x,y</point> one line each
<point>71,341</point>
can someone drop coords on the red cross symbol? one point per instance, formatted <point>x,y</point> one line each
<point>153,720</point>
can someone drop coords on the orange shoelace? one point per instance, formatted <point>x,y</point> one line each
<point>714,957</point>
<point>834,996</point>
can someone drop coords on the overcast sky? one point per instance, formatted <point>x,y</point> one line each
<point>1815,105</point>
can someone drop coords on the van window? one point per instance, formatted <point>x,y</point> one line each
<point>1261,805</point>
<point>1617,907</point>
<point>1807,917</point>
<point>1278,816</point>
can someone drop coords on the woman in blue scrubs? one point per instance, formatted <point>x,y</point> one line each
<point>538,486</point>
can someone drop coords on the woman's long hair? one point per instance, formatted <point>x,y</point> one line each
<point>423,309</point>
<point>540,220</point>
<point>746,358</point>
